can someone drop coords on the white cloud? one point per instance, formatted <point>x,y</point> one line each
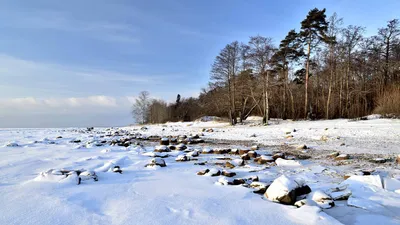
<point>71,104</point>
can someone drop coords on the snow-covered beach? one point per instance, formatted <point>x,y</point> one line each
<point>286,155</point>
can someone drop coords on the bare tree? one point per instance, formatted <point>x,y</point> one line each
<point>224,72</point>
<point>261,51</point>
<point>140,111</point>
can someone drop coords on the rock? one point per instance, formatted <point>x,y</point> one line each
<point>253,135</point>
<point>245,156</point>
<point>378,160</point>
<point>303,202</point>
<point>200,163</point>
<point>87,175</point>
<point>172,147</point>
<point>59,137</point>
<point>221,151</point>
<point>398,159</point>
<point>157,162</point>
<point>278,155</point>
<point>173,140</point>
<point>324,138</point>
<point>164,141</point>
<point>229,165</point>
<point>182,158</point>
<point>289,136</point>
<point>342,157</point>
<point>252,178</point>
<point>12,144</point>
<point>237,181</point>
<point>207,150</point>
<point>238,162</point>
<point>181,147</point>
<point>254,147</point>
<point>301,147</point>
<point>156,154</point>
<point>117,169</point>
<point>76,141</point>
<point>333,155</point>
<point>203,172</point>
<point>194,153</point>
<point>162,148</point>
<point>228,174</point>
<point>285,190</point>
<point>343,144</point>
<point>252,154</point>
<point>322,199</point>
<point>263,159</point>
<point>243,151</point>
<point>213,173</point>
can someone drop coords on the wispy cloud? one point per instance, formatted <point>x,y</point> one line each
<point>60,21</point>
<point>33,77</point>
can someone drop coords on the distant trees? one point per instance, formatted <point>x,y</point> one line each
<point>326,70</point>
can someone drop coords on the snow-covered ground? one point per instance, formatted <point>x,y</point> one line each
<point>175,194</point>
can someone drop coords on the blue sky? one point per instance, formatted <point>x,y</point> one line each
<point>81,63</point>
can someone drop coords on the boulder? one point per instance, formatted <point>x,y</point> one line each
<point>278,155</point>
<point>203,172</point>
<point>194,153</point>
<point>86,175</point>
<point>324,138</point>
<point>162,148</point>
<point>243,151</point>
<point>263,159</point>
<point>207,150</point>
<point>182,158</point>
<point>322,199</point>
<point>302,147</point>
<point>342,157</point>
<point>333,155</point>
<point>181,147</point>
<point>252,154</point>
<point>285,190</point>
<point>228,174</point>
<point>229,165</point>
<point>157,162</point>
<point>213,173</point>
<point>378,160</point>
<point>172,147</point>
<point>245,156</point>
<point>237,181</point>
<point>254,147</point>
<point>117,169</point>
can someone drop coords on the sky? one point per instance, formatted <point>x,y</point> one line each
<point>82,63</point>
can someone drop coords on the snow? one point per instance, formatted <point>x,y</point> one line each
<point>34,191</point>
<point>284,162</point>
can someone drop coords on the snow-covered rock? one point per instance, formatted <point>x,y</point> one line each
<point>289,163</point>
<point>285,190</point>
<point>322,199</point>
<point>157,162</point>
<point>162,148</point>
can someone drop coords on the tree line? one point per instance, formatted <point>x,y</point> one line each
<point>323,70</point>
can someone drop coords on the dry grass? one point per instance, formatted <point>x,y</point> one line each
<point>389,102</point>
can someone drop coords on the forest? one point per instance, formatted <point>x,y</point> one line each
<point>320,70</point>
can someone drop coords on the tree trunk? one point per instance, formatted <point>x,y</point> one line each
<point>306,83</point>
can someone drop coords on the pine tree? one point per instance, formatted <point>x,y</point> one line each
<point>313,30</point>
